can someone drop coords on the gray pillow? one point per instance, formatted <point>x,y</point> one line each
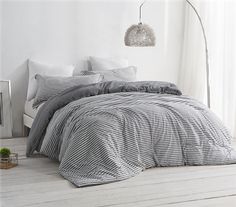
<point>51,85</point>
<point>120,74</point>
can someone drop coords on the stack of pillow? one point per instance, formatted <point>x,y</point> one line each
<point>112,69</point>
<point>46,81</point>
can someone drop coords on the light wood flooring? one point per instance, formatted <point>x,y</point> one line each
<point>36,183</point>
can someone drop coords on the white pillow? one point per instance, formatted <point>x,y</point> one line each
<point>120,74</point>
<point>44,69</point>
<point>107,63</point>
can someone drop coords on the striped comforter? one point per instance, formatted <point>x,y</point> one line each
<point>112,131</point>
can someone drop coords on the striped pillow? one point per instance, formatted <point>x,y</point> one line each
<point>51,85</point>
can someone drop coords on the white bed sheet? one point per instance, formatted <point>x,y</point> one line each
<point>29,109</point>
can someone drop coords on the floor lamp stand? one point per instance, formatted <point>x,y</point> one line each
<point>207,59</point>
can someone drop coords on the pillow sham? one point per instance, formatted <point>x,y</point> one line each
<point>44,69</point>
<point>120,74</point>
<point>98,64</point>
<point>50,85</point>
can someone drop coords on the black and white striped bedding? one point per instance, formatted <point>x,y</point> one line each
<point>112,131</point>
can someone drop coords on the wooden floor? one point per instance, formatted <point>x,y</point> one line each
<point>35,182</point>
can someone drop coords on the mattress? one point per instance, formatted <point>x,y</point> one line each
<point>29,109</point>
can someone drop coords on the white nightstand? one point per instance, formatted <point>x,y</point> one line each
<point>5,109</point>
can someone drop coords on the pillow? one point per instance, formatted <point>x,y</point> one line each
<point>50,85</point>
<point>98,64</point>
<point>44,69</point>
<point>120,74</point>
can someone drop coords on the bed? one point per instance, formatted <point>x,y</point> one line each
<point>110,131</point>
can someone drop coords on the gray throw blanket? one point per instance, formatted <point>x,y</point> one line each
<point>112,131</point>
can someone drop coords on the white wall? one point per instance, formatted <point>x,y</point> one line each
<point>0,40</point>
<point>70,31</point>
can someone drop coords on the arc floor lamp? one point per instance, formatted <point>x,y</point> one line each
<point>142,35</point>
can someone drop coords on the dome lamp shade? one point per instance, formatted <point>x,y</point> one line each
<point>140,35</point>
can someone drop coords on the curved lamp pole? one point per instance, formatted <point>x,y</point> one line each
<point>206,51</point>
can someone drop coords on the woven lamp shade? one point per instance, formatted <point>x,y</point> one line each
<point>140,35</point>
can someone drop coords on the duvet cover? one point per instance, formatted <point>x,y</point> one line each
<point>112,131</point>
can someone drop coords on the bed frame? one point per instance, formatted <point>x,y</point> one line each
<point>28,121</point>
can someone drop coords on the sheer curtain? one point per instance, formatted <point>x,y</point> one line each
<point>219,19</point>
